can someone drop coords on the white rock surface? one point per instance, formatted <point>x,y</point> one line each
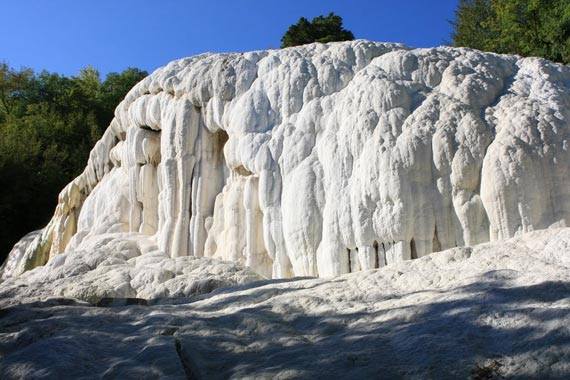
<point>124,266</point>
<point>496,310</point>
<point>311,161</point>
<point>326,159</point>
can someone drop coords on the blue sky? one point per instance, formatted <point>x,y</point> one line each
<point>110,35</point>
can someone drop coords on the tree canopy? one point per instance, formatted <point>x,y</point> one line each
<point>320,29</point>
<point>48,125</point>
<point>525,27</point>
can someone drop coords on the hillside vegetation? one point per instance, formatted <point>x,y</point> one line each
<point>526,27</point>
<point>48,125</point>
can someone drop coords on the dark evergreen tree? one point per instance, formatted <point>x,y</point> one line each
<point>320,29</point>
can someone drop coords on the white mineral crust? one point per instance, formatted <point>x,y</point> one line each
<point>324,159</point>
<point>494,310</point>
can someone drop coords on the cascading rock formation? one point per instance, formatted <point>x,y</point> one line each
<point>325,159</point>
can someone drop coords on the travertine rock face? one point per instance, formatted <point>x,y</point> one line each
<point>325,159</point>
<point>123,266</point>
<point>494,310</point>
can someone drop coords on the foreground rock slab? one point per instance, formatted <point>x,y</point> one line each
<point>497,309</point>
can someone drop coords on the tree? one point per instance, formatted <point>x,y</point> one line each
<point>114,89</point>
<point>48,125</point>
<point>320,29</point>
<point>525,27</point>
<point>13,87</point>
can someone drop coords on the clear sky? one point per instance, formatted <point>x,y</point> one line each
<point>111,35</point>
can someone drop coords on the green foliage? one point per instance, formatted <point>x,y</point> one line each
<point>48,125</point>
<point>526,27</point>
<point>320,29</point>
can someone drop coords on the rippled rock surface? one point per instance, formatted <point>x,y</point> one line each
<point>495,310</point>
<point>324,159</point>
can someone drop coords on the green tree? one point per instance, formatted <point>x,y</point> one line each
<point>320,29</point>
<point>14,87</point>
<point>525,27</point>
<point>114,89</point>
<point>48,125</point>
<point>89,82</point>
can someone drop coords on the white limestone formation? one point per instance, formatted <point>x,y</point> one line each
<point>494,310</point>
<point>325,159</point>
<point>124,266</point>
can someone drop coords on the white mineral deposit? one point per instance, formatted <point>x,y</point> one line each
<point>435,182</point>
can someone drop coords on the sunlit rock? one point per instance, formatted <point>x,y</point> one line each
<point>324,159</point>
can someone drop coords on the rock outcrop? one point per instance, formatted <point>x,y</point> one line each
<point>324,159</point>
<point>492,311</point>
<point>123,266</point>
